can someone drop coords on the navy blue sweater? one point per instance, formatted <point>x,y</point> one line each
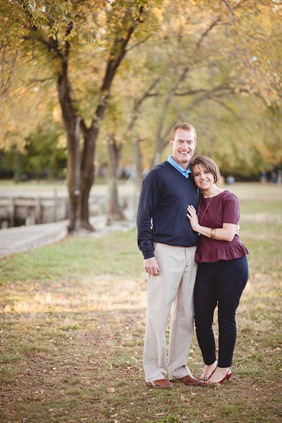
<point>162,209</point>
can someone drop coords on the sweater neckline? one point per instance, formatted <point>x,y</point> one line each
<point>217,195</point>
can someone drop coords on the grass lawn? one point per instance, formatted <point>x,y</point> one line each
<point>72,325</point>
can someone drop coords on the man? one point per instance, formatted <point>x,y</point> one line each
<point>168,244</point>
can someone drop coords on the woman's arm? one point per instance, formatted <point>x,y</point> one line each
<point>226,233</point>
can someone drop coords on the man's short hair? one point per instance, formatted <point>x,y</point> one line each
<point>185,126</point>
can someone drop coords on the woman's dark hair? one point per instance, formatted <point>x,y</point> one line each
<point>206,163</point>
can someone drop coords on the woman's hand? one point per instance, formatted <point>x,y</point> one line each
<point>192,215</point>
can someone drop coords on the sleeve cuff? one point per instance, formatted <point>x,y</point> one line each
<point>148,254</point>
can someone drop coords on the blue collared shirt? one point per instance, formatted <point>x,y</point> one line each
<point>184,172</point>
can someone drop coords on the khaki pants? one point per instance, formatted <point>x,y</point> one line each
<point>170,292</point>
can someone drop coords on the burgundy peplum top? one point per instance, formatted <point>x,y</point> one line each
<point>213,212</point>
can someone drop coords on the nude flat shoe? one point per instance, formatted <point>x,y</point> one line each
<point>227,376</point>
<point>206,378</point>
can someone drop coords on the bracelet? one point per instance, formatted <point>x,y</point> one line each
<point>212,234</point>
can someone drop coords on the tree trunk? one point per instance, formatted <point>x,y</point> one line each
<point>72,125</point>
<point>138,160</point>
<point>90,136</point>
<point>139,168</point>
<point>114,210</point>
<point>73,177</point>
<point>87,175</point>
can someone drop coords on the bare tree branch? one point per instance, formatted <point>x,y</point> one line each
<point>207,31</point>
<point>229,7</point>
<point>39,80</point>
<point>139,102</point>
<point>139,43</point>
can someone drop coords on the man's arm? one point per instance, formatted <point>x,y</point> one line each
<point>147,203</point>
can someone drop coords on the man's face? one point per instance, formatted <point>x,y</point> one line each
<point>183,147</point>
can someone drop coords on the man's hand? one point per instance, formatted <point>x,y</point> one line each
<point>152,266</point>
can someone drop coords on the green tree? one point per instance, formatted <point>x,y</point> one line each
<point>71,36</point>
<point>43,155</point>
<point>209,67</point>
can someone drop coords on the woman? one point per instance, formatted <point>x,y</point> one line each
<point>222,268</point>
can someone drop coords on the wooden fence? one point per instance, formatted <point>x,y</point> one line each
<point>31,210</point>
<point>17,210</point>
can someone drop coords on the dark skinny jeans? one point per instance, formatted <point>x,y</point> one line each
<point>219,284</point>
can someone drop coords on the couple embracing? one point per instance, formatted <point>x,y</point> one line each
<point>195,261</point>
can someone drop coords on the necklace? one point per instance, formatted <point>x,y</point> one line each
<point>207,206</point>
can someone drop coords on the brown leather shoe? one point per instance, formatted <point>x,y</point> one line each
<point>191,381</point>
<point>160,384</point>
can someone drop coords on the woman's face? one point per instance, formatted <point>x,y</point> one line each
<point>203,178</point>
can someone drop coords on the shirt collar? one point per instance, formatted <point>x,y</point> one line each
<point>184,172</point>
